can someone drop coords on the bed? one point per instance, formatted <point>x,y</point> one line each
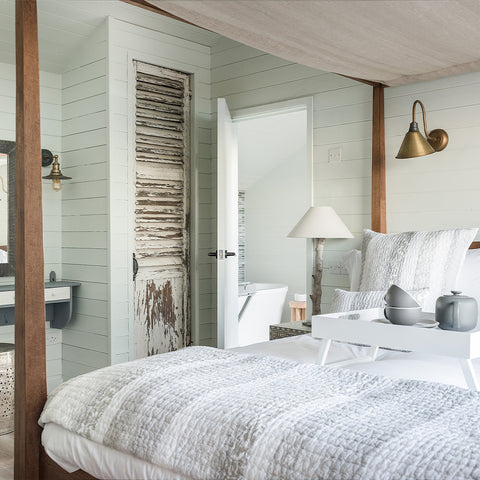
<point>278,410</point>
<point>269,397</point>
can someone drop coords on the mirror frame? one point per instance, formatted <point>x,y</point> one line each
<point>8,269</point>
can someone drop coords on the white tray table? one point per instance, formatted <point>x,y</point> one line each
<point>359,327</point>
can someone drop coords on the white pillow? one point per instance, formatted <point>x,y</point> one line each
<point>469,278</point>
<point>343,301</point>
<point>414,260</point>
<point>352,261</point>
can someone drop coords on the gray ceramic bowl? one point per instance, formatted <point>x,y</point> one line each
<point>398,297</point>
<point>403,316</point>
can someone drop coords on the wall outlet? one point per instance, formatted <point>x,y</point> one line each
<point>335,155</point>
<point>336,268</point>
<point>52,338</point>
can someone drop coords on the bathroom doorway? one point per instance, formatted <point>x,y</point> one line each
<point>273,191</point>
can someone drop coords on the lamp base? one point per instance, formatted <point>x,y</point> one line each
<point>317,277</point>
<point>438,139</point>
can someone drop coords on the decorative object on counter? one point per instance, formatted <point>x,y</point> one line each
<point>456,312</point>
<point>56,175</point>
<point>7,387</point>
<point>298,311</point>
<point>319,223</point>
<point>415,145</point>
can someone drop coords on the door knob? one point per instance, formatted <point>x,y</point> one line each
<point>213,254</point>
<point>229,254</point>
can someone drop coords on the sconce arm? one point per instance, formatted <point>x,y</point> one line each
<point>424,116</point>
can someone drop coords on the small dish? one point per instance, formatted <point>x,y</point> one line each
<point>426,323</point>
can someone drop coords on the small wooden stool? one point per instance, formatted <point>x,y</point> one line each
<point>298,311</point>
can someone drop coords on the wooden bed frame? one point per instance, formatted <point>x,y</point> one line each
<point>31,462</point>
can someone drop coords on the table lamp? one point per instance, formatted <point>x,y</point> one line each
<point>319,223</point>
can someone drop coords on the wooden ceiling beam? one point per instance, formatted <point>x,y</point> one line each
<point>148,6</point>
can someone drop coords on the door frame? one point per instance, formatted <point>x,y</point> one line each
<point>292,105</point>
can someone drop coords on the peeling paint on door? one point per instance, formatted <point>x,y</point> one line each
<point>162,285</point>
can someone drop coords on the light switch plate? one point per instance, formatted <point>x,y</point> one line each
<point>335,155</point>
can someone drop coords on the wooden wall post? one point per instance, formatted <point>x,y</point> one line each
<point>379,203</point>
<point>30,368</point>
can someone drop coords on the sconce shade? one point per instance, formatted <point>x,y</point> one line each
<point>414,144</point>
<point>320,222</point>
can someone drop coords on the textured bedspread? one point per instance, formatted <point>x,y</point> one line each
<point>210,414</point>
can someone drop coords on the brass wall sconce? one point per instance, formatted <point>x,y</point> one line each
<point>56,174</point>
<point>415,145</point>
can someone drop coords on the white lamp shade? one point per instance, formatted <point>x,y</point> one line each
<point>320,222</point>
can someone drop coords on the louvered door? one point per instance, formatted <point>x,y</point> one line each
<point>162,284</point>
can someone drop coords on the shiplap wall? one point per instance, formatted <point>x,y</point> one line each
<point>439,190</point>
<point>128,42</point>
<point>50,118</point>
<point>85,206</point>
<point>432,192</point>
<point>342,117</point>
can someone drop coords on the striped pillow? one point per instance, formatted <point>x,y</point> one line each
<point>344,301</point>
<point>414,260</point>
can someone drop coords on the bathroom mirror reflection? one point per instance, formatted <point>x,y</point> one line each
<point>7,207</point>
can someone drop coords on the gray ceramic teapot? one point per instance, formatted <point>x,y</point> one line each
<point>456,312</point>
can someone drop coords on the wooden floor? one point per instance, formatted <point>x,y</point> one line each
<point>6,456</point>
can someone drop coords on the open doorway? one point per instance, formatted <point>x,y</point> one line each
<point>274,149</point>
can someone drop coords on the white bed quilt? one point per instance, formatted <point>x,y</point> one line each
<point>207,413</point>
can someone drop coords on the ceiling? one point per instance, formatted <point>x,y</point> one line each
<point>64,24</point>
<point>264,143</point>
<point>388,41</point>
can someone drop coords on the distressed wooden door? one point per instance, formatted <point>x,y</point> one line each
<point>162,198</point>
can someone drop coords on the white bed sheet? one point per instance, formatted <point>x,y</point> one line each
<point>73,452</point>
<point>408,365</point>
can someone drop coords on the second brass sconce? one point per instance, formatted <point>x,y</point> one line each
<point>415,145</point>
<point>56,174</point>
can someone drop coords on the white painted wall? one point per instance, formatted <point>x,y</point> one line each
<point>440,190</point>
<point>273,206</point>
<point>272,164</point>
<point>341,117</point>
<point>85,206</point>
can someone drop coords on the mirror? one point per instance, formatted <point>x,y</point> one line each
<point>7,208</point>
